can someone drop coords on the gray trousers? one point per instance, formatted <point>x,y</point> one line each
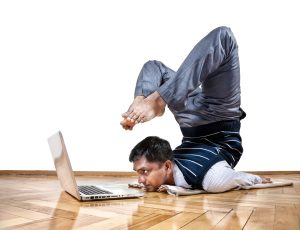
<point>205,88</point>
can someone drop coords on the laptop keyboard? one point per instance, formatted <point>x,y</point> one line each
<point>92,190</point>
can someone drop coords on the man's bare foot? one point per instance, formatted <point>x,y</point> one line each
<point>266,180</point>
<point>127,124</point>
<point>143,109</point>
<point>147,109</point>
<point>136,103</point>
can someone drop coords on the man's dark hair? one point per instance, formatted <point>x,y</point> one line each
<point>155,149</point>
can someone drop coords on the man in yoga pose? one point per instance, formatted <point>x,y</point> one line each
<point>204,96</point>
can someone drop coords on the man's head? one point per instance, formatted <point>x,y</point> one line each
<point>152,159</point>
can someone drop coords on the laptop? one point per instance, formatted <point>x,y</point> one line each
<point>67,180</point>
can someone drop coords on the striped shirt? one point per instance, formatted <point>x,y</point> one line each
<point>202,147</point>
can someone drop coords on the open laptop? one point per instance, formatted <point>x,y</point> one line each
<point>67,180</point>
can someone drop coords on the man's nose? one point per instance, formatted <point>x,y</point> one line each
<point>141,179</point>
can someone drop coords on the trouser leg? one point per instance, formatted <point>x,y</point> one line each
<point>152,75</point>
<point>205,58</point>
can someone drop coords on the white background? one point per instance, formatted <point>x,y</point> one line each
<point>72,66</point>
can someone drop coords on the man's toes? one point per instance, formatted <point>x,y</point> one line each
<point>140,119</point>
<point>134,117</point>
<point>124,115</point>
<point>129,114</point>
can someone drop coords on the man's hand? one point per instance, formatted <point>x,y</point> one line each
<point>266,180</point>
<point>143,109</point>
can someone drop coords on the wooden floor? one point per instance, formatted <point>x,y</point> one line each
<point>37,202</point>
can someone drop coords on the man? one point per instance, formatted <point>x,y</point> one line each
<point>204,96</point>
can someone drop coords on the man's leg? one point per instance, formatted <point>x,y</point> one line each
<point>212,52</point>
<point>207,56</point>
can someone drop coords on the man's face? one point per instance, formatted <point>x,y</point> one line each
<point>151,174</point>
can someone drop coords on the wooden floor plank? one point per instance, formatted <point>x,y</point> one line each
<point>111,223</point>
<point>286,218</point>
<point>261,218</point>
<point>175,222</point>
<point>59,223</point>
<point>206,221</point>
<point>72,208</point>
<point>13,222</point>
<point>181,203</point>
<point>54,212</point>
<point>6,216</point>
<point>175,208</point>
<point>21,212</point>
<point>297,207</point>
<point>145,222</point>
<point>289,190</point>
<point>234,220</point>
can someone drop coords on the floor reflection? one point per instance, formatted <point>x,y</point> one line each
<point>65,213</point>
<point>70,213</point>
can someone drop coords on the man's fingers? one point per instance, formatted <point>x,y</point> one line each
<point>266,180</point>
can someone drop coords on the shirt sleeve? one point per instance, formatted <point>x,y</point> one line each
<point>221,177</point>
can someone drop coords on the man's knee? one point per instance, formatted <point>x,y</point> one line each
<point>227,39</point>
<point>152,64</point>
<point>224,29</point>
<point>221,31</point>
<point>148,63</point>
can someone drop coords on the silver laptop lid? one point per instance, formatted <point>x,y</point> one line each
<point>62,164</point>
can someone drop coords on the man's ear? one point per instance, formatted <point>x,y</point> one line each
<point>168,166</point>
